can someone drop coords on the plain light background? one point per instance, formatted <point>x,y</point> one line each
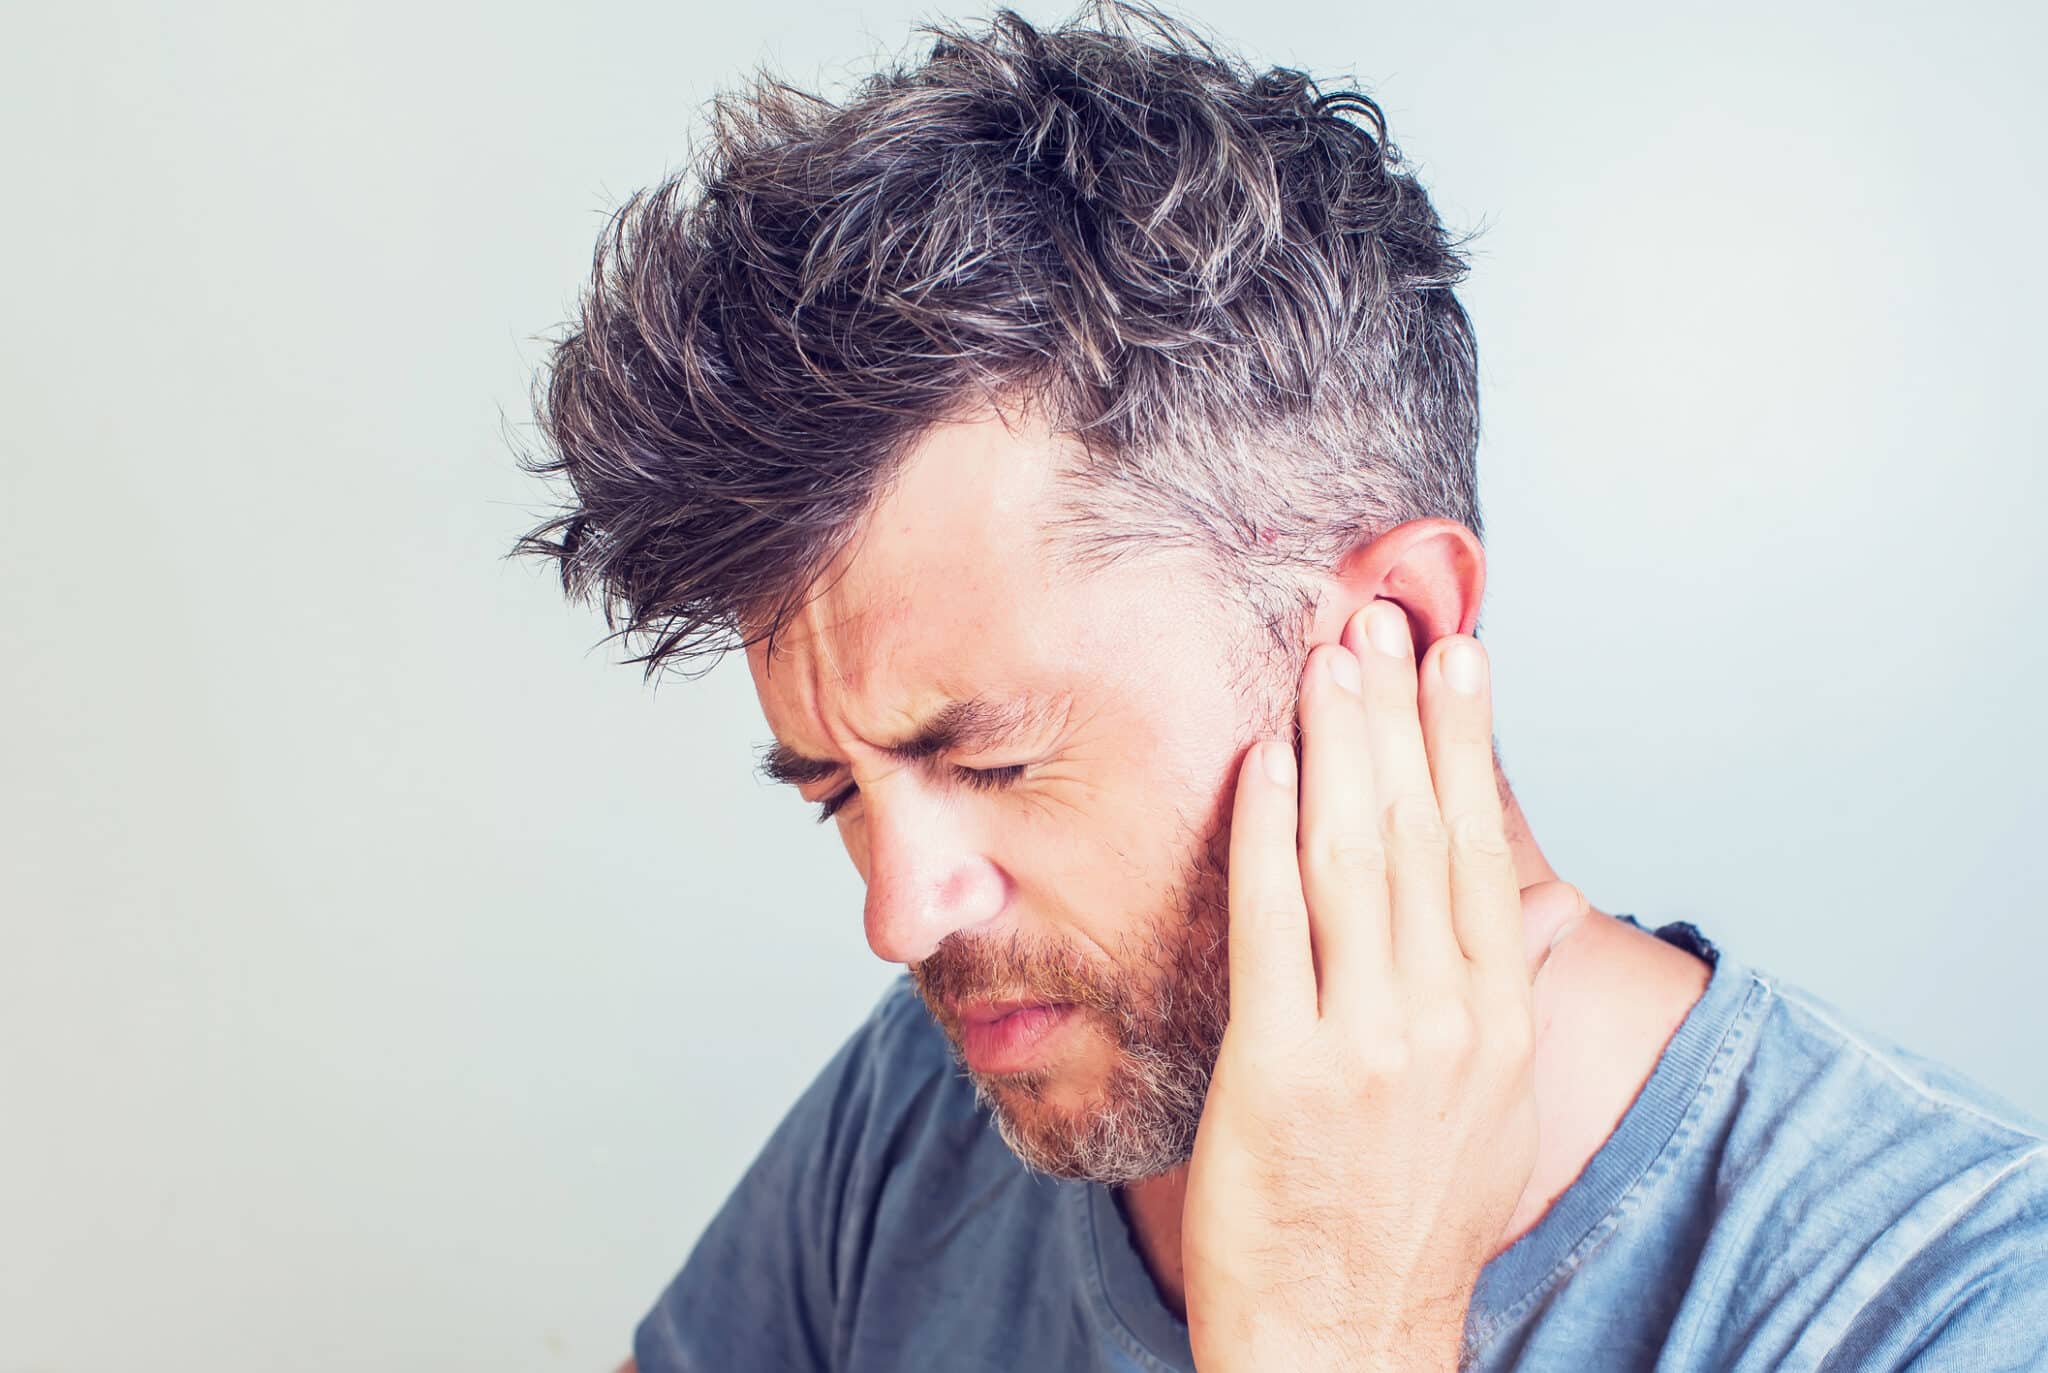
<point>389,979</point>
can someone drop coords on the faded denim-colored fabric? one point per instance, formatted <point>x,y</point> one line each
<point>1786,1192</point>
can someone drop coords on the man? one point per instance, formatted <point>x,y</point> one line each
<point>1065,426</point>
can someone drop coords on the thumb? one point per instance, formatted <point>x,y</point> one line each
<point>1551,913</point>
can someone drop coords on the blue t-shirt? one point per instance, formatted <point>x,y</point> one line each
<point>1786,1192</point>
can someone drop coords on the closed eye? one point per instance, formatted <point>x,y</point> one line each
<point>981,779</point>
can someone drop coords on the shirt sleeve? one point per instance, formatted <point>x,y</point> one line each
<point>2000,1326</point>
<point>762,1285</point>
<point>1975,1297</point>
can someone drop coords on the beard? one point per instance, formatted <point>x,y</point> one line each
<point>1163,1007</point>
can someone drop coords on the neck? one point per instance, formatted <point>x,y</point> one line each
<point>1609,1000</point>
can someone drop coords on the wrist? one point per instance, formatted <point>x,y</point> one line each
<point>1425,1341</point>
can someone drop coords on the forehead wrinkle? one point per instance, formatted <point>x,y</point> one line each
<point>978,722</point>
<point>807,650</point>
<point>829,638</point>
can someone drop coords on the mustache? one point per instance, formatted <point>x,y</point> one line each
<point>968,967</point>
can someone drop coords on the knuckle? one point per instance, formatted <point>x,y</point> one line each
<point>1382,1056</point>
<point>1470,835</point>
<point>1320,1069</point>
<point>1347,851</point>
<point>1514,1040</point>
<point>1447,1030</point>
<point>1413,821</point>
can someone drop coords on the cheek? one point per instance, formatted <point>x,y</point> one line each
<point>1106,868</point>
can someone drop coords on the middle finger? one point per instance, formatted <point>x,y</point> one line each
<point>1343,870</point>
<point>1425,942</point>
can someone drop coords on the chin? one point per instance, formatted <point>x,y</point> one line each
<point>1080,1121</point>
<point>1050,1098</point>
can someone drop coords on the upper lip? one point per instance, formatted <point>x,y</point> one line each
<point>982,1012</point>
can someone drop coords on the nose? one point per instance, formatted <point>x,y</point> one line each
<point>927,875</point>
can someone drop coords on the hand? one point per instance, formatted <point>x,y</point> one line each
<point>1370,1123</point>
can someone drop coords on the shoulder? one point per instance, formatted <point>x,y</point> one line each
<point>1884,1199</point>
<point>900,1025</point>
<point>879,1102</point>
<point>1818,1062</point>
<point>1954,1158</point>
<point>867,1108</point>
<point>885,1126</point>
<point>897,1049</point>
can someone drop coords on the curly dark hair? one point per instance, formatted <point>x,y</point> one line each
<point>1221,287</point>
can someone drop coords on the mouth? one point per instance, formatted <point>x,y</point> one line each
<point>1005,1037</point>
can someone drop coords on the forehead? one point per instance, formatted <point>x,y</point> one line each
<point>950,587</point>
<point>949,591</point>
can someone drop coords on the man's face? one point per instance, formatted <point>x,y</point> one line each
<point>1032,771</point>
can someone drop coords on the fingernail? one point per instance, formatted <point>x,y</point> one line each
<point>1276,756</point>
<point>1343,669</point>
<point>1387,627</point>
<point>1464,667</point>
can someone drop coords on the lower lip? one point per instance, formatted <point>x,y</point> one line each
<point>1008,1045</point>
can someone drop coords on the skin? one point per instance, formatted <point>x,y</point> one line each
<point>950,591</point>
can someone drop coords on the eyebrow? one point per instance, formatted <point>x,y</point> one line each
<point>966,726</point>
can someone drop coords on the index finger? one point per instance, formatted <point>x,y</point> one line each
<point>1272,970</point>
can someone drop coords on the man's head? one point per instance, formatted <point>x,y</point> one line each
<point>1027,417</point>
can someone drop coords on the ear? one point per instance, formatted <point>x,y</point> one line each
<point>1434,569</point>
